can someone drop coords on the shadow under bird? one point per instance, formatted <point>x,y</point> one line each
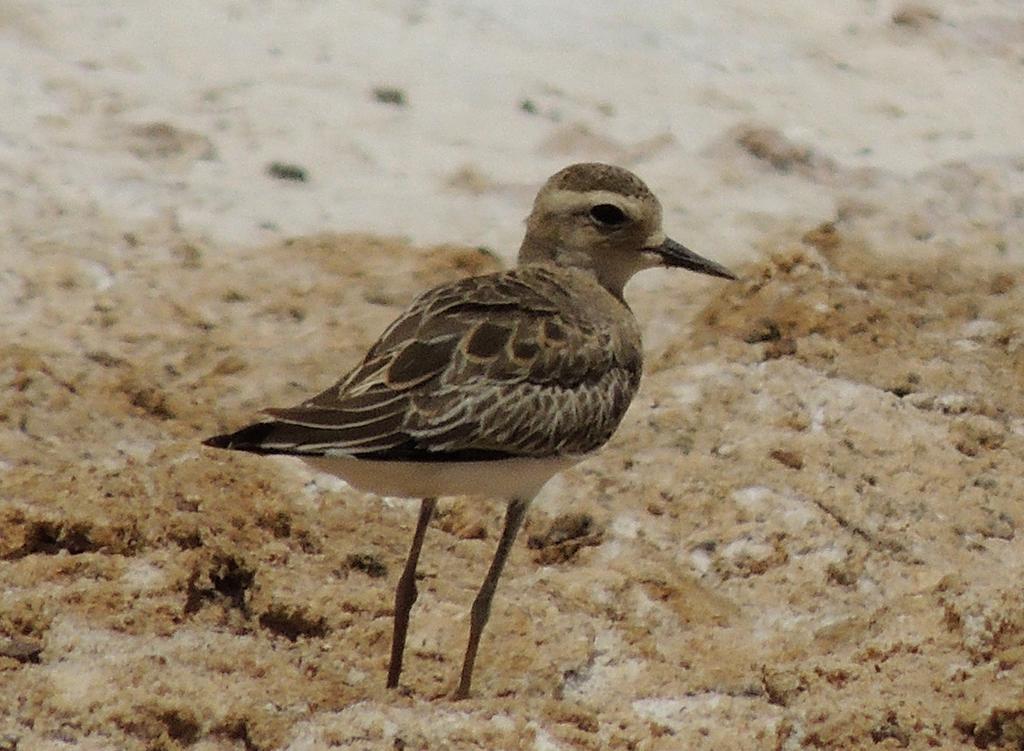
<point>492,384</point>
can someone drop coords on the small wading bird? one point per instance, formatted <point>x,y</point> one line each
<point>492,384</point>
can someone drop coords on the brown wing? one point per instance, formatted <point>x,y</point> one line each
<point>483,368</point>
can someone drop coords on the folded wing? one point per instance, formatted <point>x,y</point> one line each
<point>484,368</point>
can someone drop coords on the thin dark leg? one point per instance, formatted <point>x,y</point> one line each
<point>405,592</point>
<point>481,610</point>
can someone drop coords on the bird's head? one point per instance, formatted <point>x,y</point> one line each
<point>604,219</point>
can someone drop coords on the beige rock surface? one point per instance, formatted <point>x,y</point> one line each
<point>804,535</point>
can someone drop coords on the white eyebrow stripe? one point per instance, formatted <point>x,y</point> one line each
<point>559,201</point>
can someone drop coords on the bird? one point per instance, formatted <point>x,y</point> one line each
<point>492,384</point>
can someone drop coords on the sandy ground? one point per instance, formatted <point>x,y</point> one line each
<point>803,536</point>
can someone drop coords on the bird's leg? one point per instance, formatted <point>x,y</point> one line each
<point>405,592</point>
<point>482,604</point>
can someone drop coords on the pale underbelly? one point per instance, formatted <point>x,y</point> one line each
<point>502,478</point>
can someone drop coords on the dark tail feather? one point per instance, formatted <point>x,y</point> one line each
<point>283,438</point>
<point>250,438</point>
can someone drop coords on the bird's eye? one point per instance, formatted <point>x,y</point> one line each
<point>608,214</point>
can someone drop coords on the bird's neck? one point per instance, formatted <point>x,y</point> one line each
<point>607,272</point>
<point>536,250</point>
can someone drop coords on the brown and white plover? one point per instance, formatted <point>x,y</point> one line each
<point>492,384</point>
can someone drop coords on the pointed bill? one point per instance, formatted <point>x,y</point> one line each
<point>679,256</point>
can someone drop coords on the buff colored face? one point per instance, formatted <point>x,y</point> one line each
<point>612,233</point>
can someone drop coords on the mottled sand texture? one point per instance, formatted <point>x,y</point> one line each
<point>804,534</point>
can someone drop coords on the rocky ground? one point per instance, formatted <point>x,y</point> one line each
<point>804,535</point>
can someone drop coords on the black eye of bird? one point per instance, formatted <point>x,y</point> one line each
<point>608,214</point>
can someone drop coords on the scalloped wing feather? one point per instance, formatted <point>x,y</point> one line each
<point>486,367</point>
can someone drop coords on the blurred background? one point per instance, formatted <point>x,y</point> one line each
<point>436,120</point>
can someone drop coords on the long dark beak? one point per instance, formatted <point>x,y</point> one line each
<point>677,255</point>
